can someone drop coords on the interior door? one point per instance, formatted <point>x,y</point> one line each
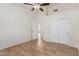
<point>63,30</point>
<point>58,30</point>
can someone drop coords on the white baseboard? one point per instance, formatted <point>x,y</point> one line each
<point>13,44</point>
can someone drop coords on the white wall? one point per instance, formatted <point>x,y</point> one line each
<point>75,29</point>
<point>15,24</point>
<point>65,11</point>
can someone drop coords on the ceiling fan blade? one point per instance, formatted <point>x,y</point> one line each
<point>28,4</point>
<point>32,9</point>
<point>55,10</point>
<point>41,9</point>
<point>44,4</point>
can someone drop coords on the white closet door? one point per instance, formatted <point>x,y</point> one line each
<point>63,31</point>
<point>58,30</point>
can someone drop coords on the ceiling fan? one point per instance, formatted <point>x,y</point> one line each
<point>37,6</point>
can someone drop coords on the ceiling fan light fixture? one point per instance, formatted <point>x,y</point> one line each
<point>36,6</point>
